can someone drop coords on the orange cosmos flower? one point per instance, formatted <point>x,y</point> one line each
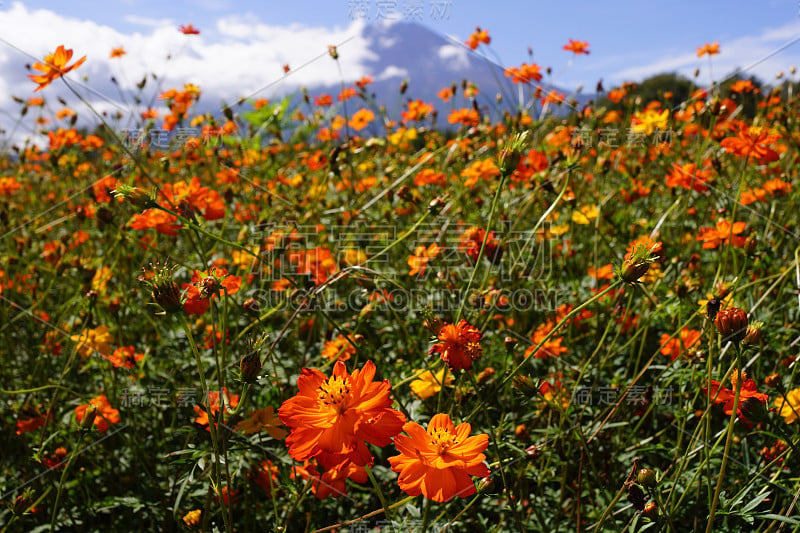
<point>710,49</point>
<point>465,116</point>
<point>98,339</point>
<point>524,74</point>
<point>752,141</point>
<point>25,425</point>
<point>460,345</point>
<point>105,414</point>
<point>331,482</point>
<point>262,420</point>
<point>231,400</point>
<point>417,110</point>
<point>688,177</point>
<point>604,272</point>
<point>438,463</point>
<point>727,396</point>
<point>363,82</point>
<point>265,475</point>
<point>117,52</point>
<point>551,348</point>
<point>713,237</point>
<point>332,418</point>
<point>472,240</point>
<point>323,100</point>
<point>445,94</point>
<point>675,347</point>
<point>338,349</point>
<point>126,357</point>
<point>205,285</point>
<point>477,37</point>
<point>57,460</point>
<point>361,119</point>
<point>347,93</point>
<point>55,66</point>
<point>189,30</point>
<point>742,86</point>
<point>577,47</point>
<point>428,176</point>
<point>419,260</point>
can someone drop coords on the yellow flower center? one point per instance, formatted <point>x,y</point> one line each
<point>335,391</point>
<point>442,439</point>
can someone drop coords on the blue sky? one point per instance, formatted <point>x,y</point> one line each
<point>627,38</point>
<point>244,44</point>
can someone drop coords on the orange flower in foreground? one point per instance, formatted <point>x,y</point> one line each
<point>676,346</point>
<point>332,418</point>
<point>710,49</point>
<point>438,463</point>
<point>524,74</point>
<point>189,30</point>
<point>55,66</point>
<point>117,52</point>
<point>688,177</point>
<point>361,119</point>
<point>465,116</point>
<point>752,141</point>
<point>577,47</point>
<point>105,414</point>
<point>713,237</point>
<point>727,396</point>
<point>419,260</point>
<point>477,37</point>
<point>460,345</point>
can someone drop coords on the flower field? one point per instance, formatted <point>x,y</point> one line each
<point>317,316</point>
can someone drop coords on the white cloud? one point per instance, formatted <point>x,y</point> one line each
<point>146,21</point>
<point>456,56</point>
<point>239,57</point>
<point>392,72</point>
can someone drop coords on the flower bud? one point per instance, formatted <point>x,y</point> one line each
<point>753,410</point>
<point>751,245</point>
<point>510,343</point>
<point>650,510</point>
<point>485,484</point>
<point>773,381</point>
<point>251,306</point>
<point>88,417</point>
<point>250,366</point>
<point>632,271</point>
<point>525,385</point>
<point>753,335</point>
<point>646,478</point>
<point>23,502</point>
<point>732,324</point>
<point>434,324</point>
<point>712,308</point>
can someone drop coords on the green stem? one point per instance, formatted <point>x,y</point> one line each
<point>381,497</point>
<point>728,440</point>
